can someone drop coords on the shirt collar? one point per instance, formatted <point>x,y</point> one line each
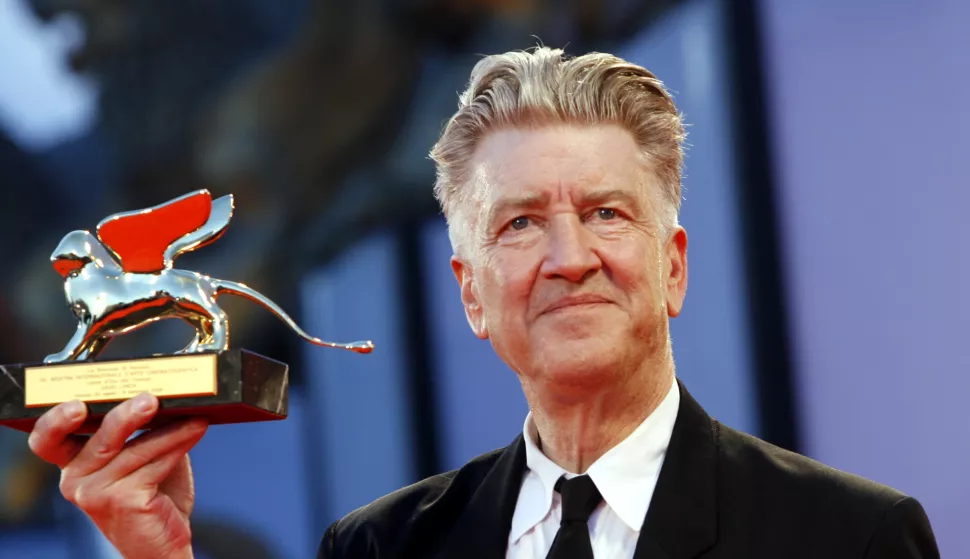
<point>625,475</point>
<point>538,485</point>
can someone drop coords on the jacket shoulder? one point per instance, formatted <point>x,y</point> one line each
<point>388,522</point>
<point>753,460</point>
<point>795,502</point>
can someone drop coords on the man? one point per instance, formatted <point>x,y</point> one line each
<point>560,179</point>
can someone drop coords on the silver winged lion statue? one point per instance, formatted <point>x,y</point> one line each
<point>122,278</point>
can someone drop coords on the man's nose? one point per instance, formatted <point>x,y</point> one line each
<point>571,253</point>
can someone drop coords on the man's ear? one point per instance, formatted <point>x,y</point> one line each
<point>473,308</point>
<point>675,256</point>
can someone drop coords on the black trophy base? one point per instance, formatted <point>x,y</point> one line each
<point>249,388</point>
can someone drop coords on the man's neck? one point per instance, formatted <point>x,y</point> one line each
<point>575,432</point>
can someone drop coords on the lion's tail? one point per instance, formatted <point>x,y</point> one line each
<point>225,286</point>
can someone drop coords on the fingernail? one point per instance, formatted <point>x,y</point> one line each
<point>143,403</point>
<point>74,409</point>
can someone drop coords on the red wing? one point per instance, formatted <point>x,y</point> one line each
<point>139,239</point>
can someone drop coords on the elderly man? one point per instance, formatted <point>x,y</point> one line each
<point>560,179</point>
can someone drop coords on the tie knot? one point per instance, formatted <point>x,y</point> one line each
<point>579,498</point>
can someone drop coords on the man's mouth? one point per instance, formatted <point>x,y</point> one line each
<point>579,300</point>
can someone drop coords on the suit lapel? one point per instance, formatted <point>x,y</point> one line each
<point>682,519</point>
<point>482,531</point>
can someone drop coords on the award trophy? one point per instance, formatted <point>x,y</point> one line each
<point>122,278</point>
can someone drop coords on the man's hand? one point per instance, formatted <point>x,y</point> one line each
<point>139,493</point>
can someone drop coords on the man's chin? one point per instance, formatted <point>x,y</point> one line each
<point>594,324</point>
<point>578,357</point>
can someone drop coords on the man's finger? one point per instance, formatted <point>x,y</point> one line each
<point>159,470</point>
<point>52,438</point>
<point>115,430</point>
<point>149,448</point>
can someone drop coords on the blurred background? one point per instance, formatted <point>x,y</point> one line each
<point>825,200</point>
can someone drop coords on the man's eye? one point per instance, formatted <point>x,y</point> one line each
<point>519,223</point>
<point>606,213</point>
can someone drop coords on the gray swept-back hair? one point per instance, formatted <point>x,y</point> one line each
<point>522,88</point>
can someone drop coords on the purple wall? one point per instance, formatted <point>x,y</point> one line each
<point>872,133</point>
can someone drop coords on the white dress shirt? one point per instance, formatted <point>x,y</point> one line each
<point>625,475</point>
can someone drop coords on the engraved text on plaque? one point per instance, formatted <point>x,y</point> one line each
<point>185,375</point>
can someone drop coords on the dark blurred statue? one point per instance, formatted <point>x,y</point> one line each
<point>25,481</point>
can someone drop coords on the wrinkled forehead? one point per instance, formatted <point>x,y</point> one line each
<point>554,162</point>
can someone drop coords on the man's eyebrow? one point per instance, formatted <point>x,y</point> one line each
<point>515,203</point>
<point>597,197</point>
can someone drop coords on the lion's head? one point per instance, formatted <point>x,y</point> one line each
<point>77,249</point>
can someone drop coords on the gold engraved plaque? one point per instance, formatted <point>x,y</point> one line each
<point>185,375</point>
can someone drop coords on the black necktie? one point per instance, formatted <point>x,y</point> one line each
<point>579,498</point>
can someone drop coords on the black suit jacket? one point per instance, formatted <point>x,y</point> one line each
<point>721,493</point>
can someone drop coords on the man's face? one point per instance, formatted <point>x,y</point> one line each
<point>568,271</point>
